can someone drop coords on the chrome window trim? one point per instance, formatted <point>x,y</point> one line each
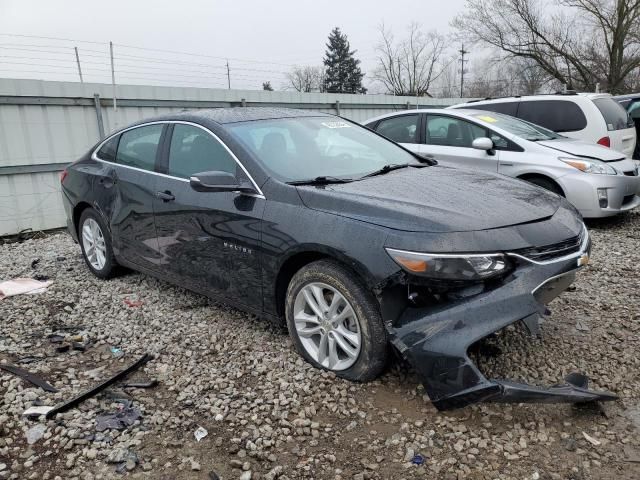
<point>94,154</point>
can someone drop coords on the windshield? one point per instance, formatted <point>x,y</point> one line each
<point>295,149</point>
<point>515,126</point>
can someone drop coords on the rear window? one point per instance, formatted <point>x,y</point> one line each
<point>401,129</point>
<point>614,115</point>
<point>108,150</point>
<point>556,115</point>
<point>508,108</point>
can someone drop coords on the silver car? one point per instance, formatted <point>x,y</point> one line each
<point>598,181</point>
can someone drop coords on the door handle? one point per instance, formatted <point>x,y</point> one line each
<point>165,196</point>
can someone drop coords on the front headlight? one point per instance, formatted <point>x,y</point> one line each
<point>589,166</point>
<point>450,267</point>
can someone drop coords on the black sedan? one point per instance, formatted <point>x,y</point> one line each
<point>357,244</point>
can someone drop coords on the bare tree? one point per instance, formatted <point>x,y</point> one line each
<point>306,79</point>
<point>409,66</point>
<point>586,43</point>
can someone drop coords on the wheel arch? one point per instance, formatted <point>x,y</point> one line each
<point>77,213</point>
<point>305,255</point>
<point>533,175</point>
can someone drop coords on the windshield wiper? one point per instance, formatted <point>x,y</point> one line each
<point>323,180</point>
<point>386,169</point>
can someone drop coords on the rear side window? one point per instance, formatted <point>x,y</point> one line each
<point>108,150</point>
<point>508,108</point>
<point>401,129</point>
<point>138,147</point>
<point>194,150</point>
<point>614,115</point>
<point>556,115</point>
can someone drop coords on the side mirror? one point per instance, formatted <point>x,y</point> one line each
<point>482,143</point>
<point>218,182</point>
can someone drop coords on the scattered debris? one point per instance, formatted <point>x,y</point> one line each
<point>62,348</point>
<point>81,347</point>
<point>40,277</point>
<point>29,377</point>
<point>33,413</point>
<point>98,388</point>
<point>19,286</point>
<point>213,475</point>
<point>133,303</point>
<point>35,262</point>
<point>590,439</point>
<point>118,420</point>
<point>116,352</point>
<point>417,459</point>
<point>149,384</point>
<point>35,433</point>
<point>200,433</point>
<point>55,338</point>
<point>581,326</point>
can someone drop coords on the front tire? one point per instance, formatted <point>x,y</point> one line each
<point>95,243</point>
<point>335,322</point>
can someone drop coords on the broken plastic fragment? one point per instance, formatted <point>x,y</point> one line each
<point>417,459</point>
<point>200,433</point>
<point>119,420</point>
<point>590,439</point>
<point>34,412</point>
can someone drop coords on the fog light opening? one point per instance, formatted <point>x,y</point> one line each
<point>603,198</point>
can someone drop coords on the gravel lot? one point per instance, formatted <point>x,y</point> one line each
<point>270,415</point>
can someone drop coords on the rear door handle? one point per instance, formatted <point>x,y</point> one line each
<point>165,196</point>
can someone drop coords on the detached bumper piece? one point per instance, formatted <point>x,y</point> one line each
<point>435,340</point>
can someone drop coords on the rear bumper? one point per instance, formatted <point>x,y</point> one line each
<point>435,340</point>
<point>68,209</point>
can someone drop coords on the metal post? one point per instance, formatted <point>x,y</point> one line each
<point>408,105</point>
<point>337,107</point>
<point>243,102</point>
<point>228,76</point>
<point>463,52</point>
<point>78,62</point>
<point>113,79</point>
<point>96,102</point>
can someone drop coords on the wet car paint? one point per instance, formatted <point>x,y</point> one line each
<point>237,248</point>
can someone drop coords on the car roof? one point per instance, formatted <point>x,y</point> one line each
<point>237,114</point>
<point>440,111</point>
<point>543,96</point>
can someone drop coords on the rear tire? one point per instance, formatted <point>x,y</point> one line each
<point>335,322</point>
<point>546,183</point>
<point>95,243</point>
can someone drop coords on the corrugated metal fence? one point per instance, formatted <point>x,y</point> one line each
<point>46,125</point>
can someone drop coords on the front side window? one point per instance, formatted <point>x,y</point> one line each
<point>452,132</point>
<point>556,115</point>
<point>138,147</point>
<point>194,150</point>
<point>108,150</point>
<point>295,149</point>
<point>401,129</point>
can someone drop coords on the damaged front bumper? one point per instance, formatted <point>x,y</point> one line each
<point>435,340</point>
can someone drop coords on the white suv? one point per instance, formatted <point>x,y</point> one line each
<point>591,117</point>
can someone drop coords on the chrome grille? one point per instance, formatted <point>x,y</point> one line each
<point>553,251</point>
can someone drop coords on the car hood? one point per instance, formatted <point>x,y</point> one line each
<point>434,199</point>
<point>579,148</point>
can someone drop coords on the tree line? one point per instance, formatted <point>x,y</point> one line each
<point>522,47</point>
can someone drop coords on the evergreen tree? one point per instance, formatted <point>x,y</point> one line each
<point>342,73</point>
<point>267,86</point>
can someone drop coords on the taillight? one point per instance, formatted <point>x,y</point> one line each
<point>63,175</point>
<point>605,142</point>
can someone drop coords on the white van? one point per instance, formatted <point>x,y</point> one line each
<point>591,117</point>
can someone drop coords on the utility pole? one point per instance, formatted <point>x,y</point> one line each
<point>113,78</point>
<point>462,52</point>
<point>78,62</point>
<point>228,76</point>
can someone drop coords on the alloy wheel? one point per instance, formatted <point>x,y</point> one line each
<point>94,245</point>
<point>327,326</point>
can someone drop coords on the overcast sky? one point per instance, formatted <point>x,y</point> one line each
<point>250,33</point>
